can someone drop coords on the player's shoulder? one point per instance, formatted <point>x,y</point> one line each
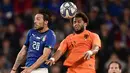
<point>51,33</point>
<point>93,34</point>
<point>32,30</point>
<point>69,36</point>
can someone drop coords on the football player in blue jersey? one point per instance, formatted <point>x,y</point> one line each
<point>38,46</point>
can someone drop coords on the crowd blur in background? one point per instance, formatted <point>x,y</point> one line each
<point>108,18</point>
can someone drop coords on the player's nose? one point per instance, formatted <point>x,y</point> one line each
<point>75,24</point>
<point>35,21</point>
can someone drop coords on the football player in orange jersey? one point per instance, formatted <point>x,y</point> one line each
<point>82,45</point>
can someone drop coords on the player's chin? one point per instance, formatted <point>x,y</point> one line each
<point>77,29</point>
<point>36,28</point>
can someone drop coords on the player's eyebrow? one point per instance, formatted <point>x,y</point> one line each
<point>78,20</point>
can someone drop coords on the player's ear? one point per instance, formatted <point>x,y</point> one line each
<point>85,24</point>
<point>46,22</point>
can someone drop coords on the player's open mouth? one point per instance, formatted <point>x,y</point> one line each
<point>76,27</point>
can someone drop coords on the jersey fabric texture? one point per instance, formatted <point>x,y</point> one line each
<point>36,42</point>
<point>77,45</point>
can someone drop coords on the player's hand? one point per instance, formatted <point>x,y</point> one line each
<point>88,54</point>
<point>26,70</point>
<point>50,62</point>
<point>13,71</point>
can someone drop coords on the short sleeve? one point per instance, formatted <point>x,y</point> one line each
<point>96,40</point>
<point>27,38</point>
<point>50,40</point>
<point>63,46</point>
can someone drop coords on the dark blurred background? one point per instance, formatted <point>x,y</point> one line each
<point>108,18</point>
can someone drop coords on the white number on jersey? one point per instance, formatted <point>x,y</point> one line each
<point>36,45</point>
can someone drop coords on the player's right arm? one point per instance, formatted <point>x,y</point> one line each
<point>22,54</point>
<point>20,58</point>
<point>60,51</point>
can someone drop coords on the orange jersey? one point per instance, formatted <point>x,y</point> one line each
<point>77,45</point>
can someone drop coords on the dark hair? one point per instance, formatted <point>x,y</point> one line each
<point>83,16</point>
<point>46,14</point>
<point>116,63</point>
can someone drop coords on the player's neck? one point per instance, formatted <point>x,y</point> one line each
<point>44,30</point>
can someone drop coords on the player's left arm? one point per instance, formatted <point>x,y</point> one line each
<point>42,58</point>
<point>96,45</point>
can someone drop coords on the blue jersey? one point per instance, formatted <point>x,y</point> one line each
<point>36,42</point>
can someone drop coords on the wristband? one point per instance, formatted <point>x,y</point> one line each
<point>90,52</point>
<point>53,59</point>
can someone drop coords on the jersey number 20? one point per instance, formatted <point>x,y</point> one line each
<point>36,45</point>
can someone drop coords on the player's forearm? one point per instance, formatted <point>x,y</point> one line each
<point>20,58</point>
<point>57,55</point>
<point>41,59</point>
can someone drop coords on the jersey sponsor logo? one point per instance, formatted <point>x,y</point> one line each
<point>38,38</point>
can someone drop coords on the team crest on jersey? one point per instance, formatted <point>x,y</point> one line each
<point>44,38</point>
